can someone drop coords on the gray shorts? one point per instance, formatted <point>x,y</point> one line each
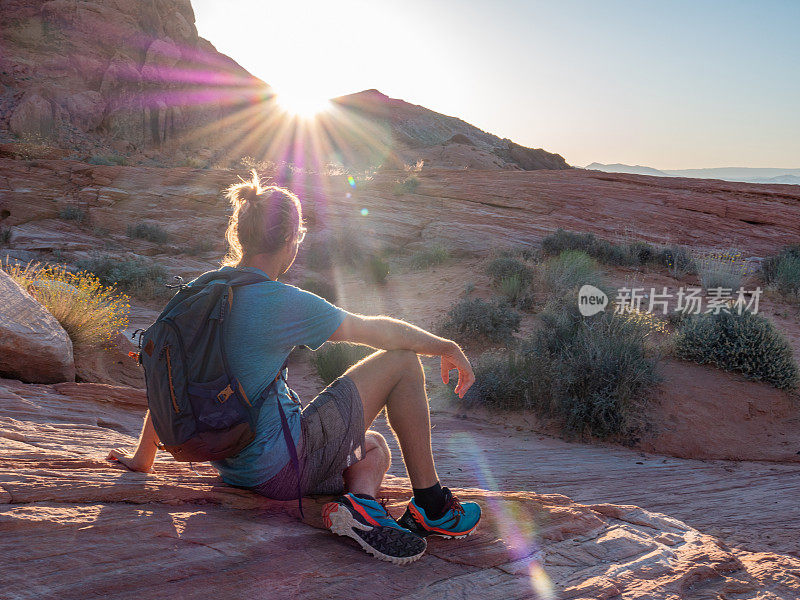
<point>332,439</point>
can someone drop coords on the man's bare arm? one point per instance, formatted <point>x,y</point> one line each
<point>388,333</point>
<point>145,454</point>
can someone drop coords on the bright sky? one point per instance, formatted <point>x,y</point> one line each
<point>671,85</point>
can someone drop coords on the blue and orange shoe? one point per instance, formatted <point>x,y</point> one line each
<point>459,519</point>
<point>369,524</point>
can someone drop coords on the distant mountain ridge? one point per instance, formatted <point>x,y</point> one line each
<point>743,174</point>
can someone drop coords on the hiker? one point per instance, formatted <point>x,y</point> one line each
<point>337,452</point>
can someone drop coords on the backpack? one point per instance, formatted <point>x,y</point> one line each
<point>199,409</point>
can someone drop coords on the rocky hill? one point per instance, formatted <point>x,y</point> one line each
<point>135,81</point>
<point>105,74</point>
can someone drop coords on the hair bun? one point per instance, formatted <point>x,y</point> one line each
<point>248,194</point>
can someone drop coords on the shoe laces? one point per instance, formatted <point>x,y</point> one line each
<point>452,503</point>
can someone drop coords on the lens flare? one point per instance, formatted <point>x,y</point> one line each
<point>351,181</point>
<point>364,212</point>
<point>513,521</point>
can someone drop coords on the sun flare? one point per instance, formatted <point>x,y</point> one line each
<point>302,103</point>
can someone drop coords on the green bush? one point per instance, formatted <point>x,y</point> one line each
<point>470,318</point>
<point>137,277</point>
<point>334,358</point>
<point>321,288</point>
<point>512,288</point>
<point>148,231</point>
<point>408,185</point>
<point>746,343</point>
<point>72,213</point>
<point>676,259</point>
<point>375,269</point>
<point>344,247</point>
<point>593,374</point>
<point>200,247</point>
<point>603,250</point>
<point>568,270</point>
<point>507,266</point>
<point>782,271</point>
<point>430,257</point>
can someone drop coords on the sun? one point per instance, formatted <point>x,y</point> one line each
<point>302,103</point>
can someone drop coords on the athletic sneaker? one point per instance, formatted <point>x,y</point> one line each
<point>458,520</point>
<point>369,524</point>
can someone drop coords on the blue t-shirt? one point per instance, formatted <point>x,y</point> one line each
<point>267,320</point>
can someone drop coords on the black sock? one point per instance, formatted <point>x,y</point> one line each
<point>430,499</point>
<point>364,497</point>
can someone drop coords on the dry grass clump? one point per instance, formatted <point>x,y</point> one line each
<point>721,269</point>
<point>92,314</point>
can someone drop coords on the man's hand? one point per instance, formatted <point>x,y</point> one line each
<point>131,462</point>
<point>453,358</point>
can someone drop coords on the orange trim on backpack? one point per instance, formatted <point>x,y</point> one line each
<point>361,511</point>
<point>421,521</point>
<point>244,396</point>
<point>169,378</point>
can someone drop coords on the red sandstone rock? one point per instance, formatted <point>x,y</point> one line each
<point>181,532</point>
<point>33,345</point>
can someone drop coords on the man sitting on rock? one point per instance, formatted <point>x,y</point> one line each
<point>338,454</point>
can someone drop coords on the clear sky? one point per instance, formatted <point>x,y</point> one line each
<point>670,84</point>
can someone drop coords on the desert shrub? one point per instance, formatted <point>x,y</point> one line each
<point>676,259</point>
<point>593,374</point>
<point>319,255</point>
<point>502,267</point>
<point>568,270</point>
<point>747,343</point>
<point>520,251</point>
<point>321,288</point>
<point>152,232</point>
<point>782,271</point>
<point>91,313</point>
<point>134,276</point>
<point>430,257</point>
<point>195,163</point>
<point>407,185</point>
<point>721,269</point>
<point>200,247</point>
<point>343,247</point>
<point>334,358</point>
<point>72,213</point>
<point>512,288</point>
<point>375,269</point>
<point>5,235</point>
<point>494,321</point>
<point>588,243</point>
<point>108,159</point>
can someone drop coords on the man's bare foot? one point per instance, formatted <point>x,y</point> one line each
<point>130,462</point>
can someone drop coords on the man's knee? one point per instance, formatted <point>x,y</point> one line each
<point>376,441</point>
<point>407,361</point>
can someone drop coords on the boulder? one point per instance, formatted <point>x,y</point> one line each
<point>33,116</point>
<point>85,109</point>
<point>33,346</point>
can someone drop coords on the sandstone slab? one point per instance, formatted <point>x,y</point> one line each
<point>33,345</point>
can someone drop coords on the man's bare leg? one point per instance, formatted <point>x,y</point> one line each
<point>366,476</point>
<point>395,379</point>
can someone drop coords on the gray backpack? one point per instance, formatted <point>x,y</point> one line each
<point>199,409</point>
